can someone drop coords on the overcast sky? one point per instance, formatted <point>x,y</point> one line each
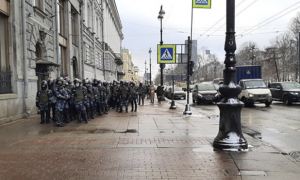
<point>256,20</point>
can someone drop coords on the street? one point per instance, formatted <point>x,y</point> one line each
<point>154,143</point>
<point>278,125</point>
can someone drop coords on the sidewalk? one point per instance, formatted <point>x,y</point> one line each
<point>154,143</point>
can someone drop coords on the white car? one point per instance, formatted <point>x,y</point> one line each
<point>255,91</point>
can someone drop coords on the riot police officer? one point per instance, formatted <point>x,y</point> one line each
<point>115,95</point>
<point>52,100</point>
<point>42,102</point>
<point>69,86</point>
<point>78,95</point>
<point>107,95</point>
<point>96,86</point>
<point>141,93</point>
<point>61,98</point>
<point>133,95</point>
<point>67,108</point>
<point>102,97</point>
<point>89,102</point>
<point>123,96</point>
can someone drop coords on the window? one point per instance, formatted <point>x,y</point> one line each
<point>5,73</point>
<point>75,34</point>
<point>62,56</point>
<point>61,17</point>
<point>90,14</point>
<point>39,4</point>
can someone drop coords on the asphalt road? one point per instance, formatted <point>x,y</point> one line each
<point>278,125</point>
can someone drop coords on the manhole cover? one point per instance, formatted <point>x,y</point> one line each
<point>253,173</point>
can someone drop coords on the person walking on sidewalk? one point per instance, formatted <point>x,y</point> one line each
<point>152,93</point>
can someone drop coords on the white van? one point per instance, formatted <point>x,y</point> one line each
<point>255,91</point>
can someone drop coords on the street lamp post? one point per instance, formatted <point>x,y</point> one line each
<point>298,47</point>
<point>162,66</point>
<point>145,76</point>
<point>230,136</point>
<point>150,51</point>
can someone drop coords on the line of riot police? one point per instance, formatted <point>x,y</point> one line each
<point>83,100</point>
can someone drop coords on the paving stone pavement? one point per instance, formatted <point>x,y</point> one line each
<point>154,143</point>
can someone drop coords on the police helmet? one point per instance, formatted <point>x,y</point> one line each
<point>44,84</point>
<point>59,81</point>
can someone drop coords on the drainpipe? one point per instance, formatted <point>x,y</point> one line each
<point>26,110</point>
<point>93,34</point>
<point>81,38</point>
<point>103,45</point>
<point>56,38</point>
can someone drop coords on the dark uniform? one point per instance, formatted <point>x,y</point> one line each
<point>115,95</point>
<point>107,95</point>
<point>68,104</point>
<point>159,93</point>
<point>90,99</point>
<point>61,99</point>
<point>51,86</point>
<point>133,96</point>
<point>102,92</point>
<point>142,91</point>
<point>96,84</point>
<point>78,96</point>
<point>123,94</point>
<point>42,102</point>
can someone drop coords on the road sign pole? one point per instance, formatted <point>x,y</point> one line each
<point>187,110</point>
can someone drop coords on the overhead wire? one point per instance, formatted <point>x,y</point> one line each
<point>273,18</point>
<point>219,20</point>
<point>239,13</point>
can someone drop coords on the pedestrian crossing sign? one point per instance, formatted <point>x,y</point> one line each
<point>166,54</point>
<point>205,4</point>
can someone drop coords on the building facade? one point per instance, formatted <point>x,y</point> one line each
<point>130,71</point>
<point>44,39</point>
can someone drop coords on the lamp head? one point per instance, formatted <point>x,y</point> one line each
<point>161,12</point>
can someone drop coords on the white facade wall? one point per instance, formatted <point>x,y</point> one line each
<point>113,28</point>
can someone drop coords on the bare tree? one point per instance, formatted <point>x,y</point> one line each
<point>248,54</point>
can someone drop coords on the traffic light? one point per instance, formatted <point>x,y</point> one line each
<point>191,67</point>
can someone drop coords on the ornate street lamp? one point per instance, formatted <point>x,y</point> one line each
<point>162,66</point>
<point>230,136</point>
<point>150,51</point>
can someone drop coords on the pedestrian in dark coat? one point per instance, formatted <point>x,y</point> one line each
<point>133,96</point>
<point>142,91</point>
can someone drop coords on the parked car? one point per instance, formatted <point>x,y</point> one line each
<point>178,93</point>
<point>185,88</point>
<point>204,93</point>
<point>217,82</point>
<point>288,92</point>
<point>255,91</point>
